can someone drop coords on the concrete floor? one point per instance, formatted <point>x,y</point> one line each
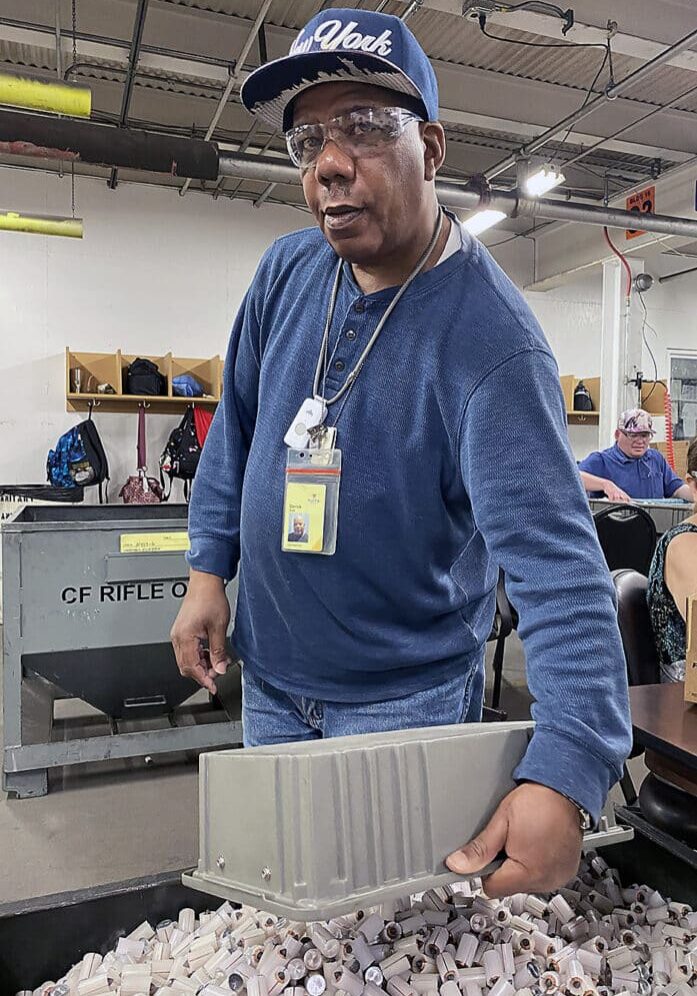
<point>125,819</point>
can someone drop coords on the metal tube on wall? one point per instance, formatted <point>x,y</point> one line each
<point>673,276</point>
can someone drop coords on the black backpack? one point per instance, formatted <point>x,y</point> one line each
<point>582,398</point>
<point>143,377</point>
<point>79,459</point>
<point>181,455</point>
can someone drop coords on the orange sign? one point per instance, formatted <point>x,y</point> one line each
<point>643,202</point>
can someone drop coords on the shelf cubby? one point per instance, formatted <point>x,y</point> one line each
<point>110,368</point>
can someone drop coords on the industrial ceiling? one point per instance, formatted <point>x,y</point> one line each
<point>496,94</point>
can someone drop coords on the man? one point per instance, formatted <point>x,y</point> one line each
<point>297,533</point>
<point>630,468</point>
<point>406,340</point>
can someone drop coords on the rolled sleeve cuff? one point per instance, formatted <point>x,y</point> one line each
<point>555,760</point>
<point>212,555</point>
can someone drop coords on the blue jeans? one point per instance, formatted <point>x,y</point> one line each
<point>271,716</point>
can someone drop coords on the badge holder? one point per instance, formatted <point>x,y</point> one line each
<point>311,501</point>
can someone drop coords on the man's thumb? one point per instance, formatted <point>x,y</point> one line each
<point>217,650</point>
<point>482,849</point>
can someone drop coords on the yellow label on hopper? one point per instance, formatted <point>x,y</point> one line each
<point>154,542</point>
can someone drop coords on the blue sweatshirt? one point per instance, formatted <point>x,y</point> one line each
<point>455,461</point>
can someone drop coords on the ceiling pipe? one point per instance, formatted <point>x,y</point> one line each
<point>133,55</point>
<point>102,145</point>
<point>612,91</point>
<point>81,141</point>
<point>225,96</point>
<point>270,170</point>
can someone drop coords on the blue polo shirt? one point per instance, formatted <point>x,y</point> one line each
<point>456,461</point>
<point>648,476</point>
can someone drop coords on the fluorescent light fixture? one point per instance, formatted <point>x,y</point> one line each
<point>13,221</point>
<point>543,180</point>
<point>481,220</point>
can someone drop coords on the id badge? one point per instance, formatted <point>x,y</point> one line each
<point>311,501</point>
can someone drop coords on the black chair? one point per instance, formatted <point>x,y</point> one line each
<point>664,805</point>
<point>635,627</point>
<point>627,535</point>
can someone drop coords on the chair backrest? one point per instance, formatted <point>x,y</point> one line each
<point>635,628</point>
<point>627,535</point>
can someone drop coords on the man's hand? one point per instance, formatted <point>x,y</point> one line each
<point>614,493</point>
<point>539,830</point>
<point>204,617</point>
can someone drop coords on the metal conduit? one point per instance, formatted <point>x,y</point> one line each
<point>225,96</point>
<point>634,124</point>
<point>129,82</point>
<point>269,170</point>
<point>583,112</point>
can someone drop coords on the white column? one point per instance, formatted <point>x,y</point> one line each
<point>621,346</point>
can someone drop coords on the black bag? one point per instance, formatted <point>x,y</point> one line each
<point>582,398</point>
<point>79,459</point>
<point>143,377</point>
<point>181,455</point>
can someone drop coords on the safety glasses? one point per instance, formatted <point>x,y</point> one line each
<point>644,437</point>
<point>360,133</point>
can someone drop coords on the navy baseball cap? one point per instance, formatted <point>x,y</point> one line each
<point>343,44</point>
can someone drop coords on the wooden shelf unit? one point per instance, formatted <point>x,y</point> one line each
<point>111,368</point>
<point>569,383</point>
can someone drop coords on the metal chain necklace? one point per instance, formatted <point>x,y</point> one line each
<point>322,363</point>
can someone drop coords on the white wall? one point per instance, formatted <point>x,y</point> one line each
<point>155,272</point>
<point>672,312</point>
<point>571,316</point>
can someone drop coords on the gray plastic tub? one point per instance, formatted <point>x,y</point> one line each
<point>310,830</point>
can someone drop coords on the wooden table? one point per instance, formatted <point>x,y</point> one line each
<point>666,726</point>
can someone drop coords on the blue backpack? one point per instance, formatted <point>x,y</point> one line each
<point>79,459</point>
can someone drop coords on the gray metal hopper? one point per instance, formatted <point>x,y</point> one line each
<point>89,596</point>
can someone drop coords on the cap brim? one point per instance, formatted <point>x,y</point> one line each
<point>268,91</point>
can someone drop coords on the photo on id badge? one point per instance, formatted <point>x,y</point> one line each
<point>303,518</point>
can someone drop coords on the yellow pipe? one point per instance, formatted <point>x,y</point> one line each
<point>12,221</point>
<point>58,98</point>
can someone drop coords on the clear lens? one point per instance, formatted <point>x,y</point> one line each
<point>358,133</point>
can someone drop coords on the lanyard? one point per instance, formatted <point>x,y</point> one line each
<point>322,359</point>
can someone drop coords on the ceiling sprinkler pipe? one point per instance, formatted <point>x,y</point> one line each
<point>270,170</point>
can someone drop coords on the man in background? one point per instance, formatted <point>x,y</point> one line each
<point>630,468</point>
